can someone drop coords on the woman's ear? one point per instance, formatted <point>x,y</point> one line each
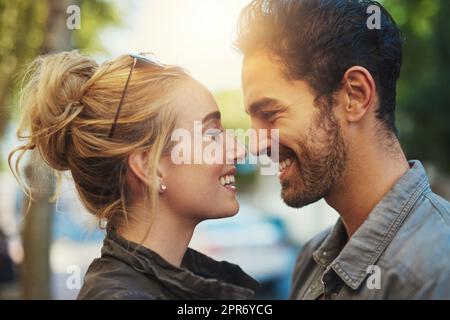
<point>163,167</point>
<point>359,87</point>
<point>138,164</point>
<point>161,171</point>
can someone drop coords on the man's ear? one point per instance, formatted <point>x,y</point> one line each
<point>360,88</point>
<point>138,164</point>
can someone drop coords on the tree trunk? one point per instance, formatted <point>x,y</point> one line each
<point>37,235</point>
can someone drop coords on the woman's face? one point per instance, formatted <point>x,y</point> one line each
<point>203,186</point>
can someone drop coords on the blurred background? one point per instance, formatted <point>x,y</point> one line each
<point>42,252</point>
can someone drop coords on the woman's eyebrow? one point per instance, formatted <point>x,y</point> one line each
<point>215,115</point>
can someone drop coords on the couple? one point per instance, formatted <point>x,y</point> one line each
<point>314,71</point>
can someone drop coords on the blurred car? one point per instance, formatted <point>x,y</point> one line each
<point>256,242</point>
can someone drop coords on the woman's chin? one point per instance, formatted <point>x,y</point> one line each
<point>229,210</point>
<point>235,210</point>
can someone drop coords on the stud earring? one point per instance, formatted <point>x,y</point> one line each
<point>102,223</point>
<point>162,187</point>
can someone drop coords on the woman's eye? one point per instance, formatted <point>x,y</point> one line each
<point>214,134</point>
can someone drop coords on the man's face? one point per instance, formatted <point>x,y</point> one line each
<point>312,149</point>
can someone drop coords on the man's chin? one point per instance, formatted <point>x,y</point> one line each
<point>298,201</point>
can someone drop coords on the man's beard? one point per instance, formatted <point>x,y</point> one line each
<point>320,161</point>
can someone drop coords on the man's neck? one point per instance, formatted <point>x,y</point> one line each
<point>368,177</point>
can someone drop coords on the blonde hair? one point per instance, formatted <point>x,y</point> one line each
<point>67,109</point>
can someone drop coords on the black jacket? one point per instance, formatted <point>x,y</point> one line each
<point>127,270</point>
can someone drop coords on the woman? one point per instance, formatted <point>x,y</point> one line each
<point>111,126</point>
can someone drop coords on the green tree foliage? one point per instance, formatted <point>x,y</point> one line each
<point>23,29</point>
<point>424,90</point>
<point>231,105</point>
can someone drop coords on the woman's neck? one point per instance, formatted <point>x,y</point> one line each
<point>168,235</point>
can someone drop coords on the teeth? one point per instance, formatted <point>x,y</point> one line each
<point>227,179</point>
<point>284,164</point>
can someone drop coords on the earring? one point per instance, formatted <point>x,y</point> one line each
<point>102,223</point>
<point>162,187</point>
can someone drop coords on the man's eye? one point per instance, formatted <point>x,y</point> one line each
<point>268,115</point>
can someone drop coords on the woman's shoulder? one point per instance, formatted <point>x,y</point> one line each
<point>128,271</point>
<point>110,279</point>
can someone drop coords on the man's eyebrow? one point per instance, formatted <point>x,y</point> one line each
<point>262,103</point>
<point>215,115</point>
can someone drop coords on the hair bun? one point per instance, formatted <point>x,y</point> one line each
<point>51,101</point>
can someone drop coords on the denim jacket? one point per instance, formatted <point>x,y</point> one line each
<point>127,270</point>
<point>401,251</point>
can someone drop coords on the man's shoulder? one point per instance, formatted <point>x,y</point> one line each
<point>420,251</point>
<point>441,207</point>
<point>426,232</point>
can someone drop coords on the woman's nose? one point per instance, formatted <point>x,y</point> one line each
<point>241,151</point>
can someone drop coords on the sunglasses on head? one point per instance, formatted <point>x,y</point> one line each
<point>144,58</point>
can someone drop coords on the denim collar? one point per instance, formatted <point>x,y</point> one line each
<point>368,243</point>
<point>199,277</point>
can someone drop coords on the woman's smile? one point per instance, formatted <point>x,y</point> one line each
<point>228,179</point>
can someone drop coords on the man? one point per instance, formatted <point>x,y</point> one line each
<point>315,70</point>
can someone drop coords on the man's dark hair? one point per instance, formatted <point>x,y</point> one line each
<point>318,40</point>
